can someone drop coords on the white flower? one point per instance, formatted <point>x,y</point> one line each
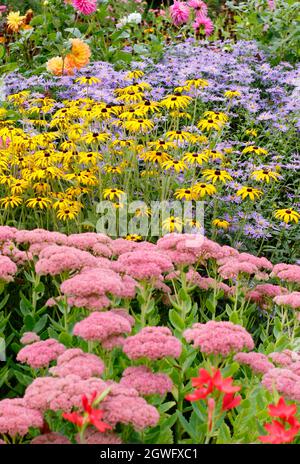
<point>134,18</point>
<point>122,22</point>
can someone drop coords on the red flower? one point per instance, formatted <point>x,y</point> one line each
<point>91,415</point>
<point>74,417</point>
<point>279,434</point>
<point>230,401</point>
<point>282,410</point>
<point>207,382</point>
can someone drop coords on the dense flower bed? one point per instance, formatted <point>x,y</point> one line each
<point>133,322</point>
<point>222,129</point>
<point>149,222</point>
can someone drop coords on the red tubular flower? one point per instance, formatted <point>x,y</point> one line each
<point>224,385</point>
<point>91,415</point>
<point>207,382</point>
<point>230,401</point>
<point>278,433</point>
<point>282,410</point>
<point>74,417</point>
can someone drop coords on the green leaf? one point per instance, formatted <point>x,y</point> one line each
<point>187,427</point>
<point>10,67</point>
<point>224,436</point>
<point>41,323</point>
<point>2,350</point>
<point>65,339</point>
<point>234,318</point>
<point>4,301</point>
<point>176,320</point>
<point>22,378</point>
<point>210,306</point>
<point>29,322</point>
<point>2,52</point>
<point>166,406</point>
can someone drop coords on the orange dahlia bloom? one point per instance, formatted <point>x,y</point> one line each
<point>58,66</point>
<point>80,53</point>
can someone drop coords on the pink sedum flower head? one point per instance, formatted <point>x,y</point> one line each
<point>100,326</point>
<point>145,381</point>
<point>90,288</point>
<point>180,13</point>
<point>285,381</point>
<point>115,341</point>
<point>29,337</point>
<point>258,362</point>
<point>124,405</point>
<point>93,437</point>
<point>291,299</point>
<point>221,338</point>
<point>141,264</point>
<point>57,393</point>
<point>75,361</point>
<point>40,236</point>
<point>41,353</point>
<point>288,272</point>
<point>55,259</point>
<point>51,438</point>
<point>16,417</point>
<point>7,233</point>
<point>262,294</point>
<point>152,343</point>
<point>85,7</point>
<point>285,358</point>
<point>7,269</point>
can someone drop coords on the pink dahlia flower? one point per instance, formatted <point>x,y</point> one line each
<point>75,361</point>
<point>202,21</point>
<point>198,6</point>
<point>85,7</point>
<point>152,343</point>
<point>16,417</point>
<point>219,337</point>
<point>180,13</point>
<point>40,354</point>
<point>145,381</point>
